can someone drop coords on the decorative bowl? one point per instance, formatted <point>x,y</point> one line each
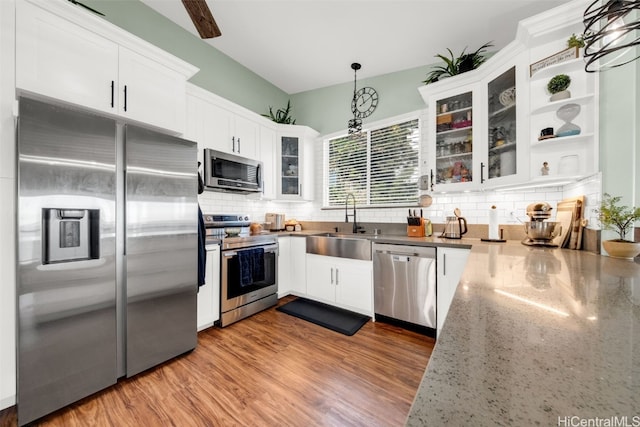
<point>232,231</point>
<point>508,97</point>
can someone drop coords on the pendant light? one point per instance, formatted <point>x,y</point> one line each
<point>612,34</point>
<point>355,124</point>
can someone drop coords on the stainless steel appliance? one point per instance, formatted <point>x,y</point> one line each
<point>404,281</point>
<point>274,221</point>
<point>107,253</point>
<point>228,172</point>
<point>539,231</point>
<point>248,267</point>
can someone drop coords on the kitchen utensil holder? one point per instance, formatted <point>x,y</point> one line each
<point>415,230</point>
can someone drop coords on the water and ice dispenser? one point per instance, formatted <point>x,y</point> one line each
<point>70,235</point>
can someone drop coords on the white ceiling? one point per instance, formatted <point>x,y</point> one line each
<point>300,45</point>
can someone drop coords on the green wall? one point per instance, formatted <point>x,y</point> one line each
<point>328,109</point>
<point>218,73</point>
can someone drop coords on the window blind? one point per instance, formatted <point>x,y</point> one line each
<point>380,167</point>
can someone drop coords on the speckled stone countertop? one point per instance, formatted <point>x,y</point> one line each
<point>536,336</point>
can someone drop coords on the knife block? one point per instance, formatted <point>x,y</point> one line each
<point>415,230</point>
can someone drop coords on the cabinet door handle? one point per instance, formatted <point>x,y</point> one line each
<point>444,264</point>
<point>233,144</point>
<point>125,97</point>
<point>238,144</point>
<point>431,174</point>
<point>332,275</point>
<point>481,172</point>
<point>300,190</point>
<point>337,281</point>
<point>112,92</point>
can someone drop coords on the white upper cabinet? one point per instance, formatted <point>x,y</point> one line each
<point>68,54</point>
<point>150,93</point>
<point>268,158</point>
<point>64,61</point>
<point>295,167</point>
<point>484,126</point>
<point>474,127</point>
<point>222,125</point>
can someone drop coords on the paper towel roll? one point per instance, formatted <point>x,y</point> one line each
<point>494,232</point>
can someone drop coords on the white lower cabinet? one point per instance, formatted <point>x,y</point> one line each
<point>450,265</point>
<point>298,266</point>
<point>292,266</point>
<point>344,282</point>
<point>209,293</point>
<point>284,266</point>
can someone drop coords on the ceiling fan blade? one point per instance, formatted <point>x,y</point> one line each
<point>202,18</point>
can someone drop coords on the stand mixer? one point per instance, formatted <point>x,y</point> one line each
<point>540,232</point>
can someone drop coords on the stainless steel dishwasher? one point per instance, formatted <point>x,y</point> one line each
<point>404,280</point>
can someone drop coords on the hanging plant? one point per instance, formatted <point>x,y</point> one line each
<point>453,66</point>
<point>282,115</point>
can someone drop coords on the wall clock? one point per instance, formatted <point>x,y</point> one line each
<point>364,102</point>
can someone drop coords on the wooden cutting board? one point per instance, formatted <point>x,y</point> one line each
<point>569,215</point>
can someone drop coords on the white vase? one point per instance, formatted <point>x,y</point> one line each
<point>560,95</point>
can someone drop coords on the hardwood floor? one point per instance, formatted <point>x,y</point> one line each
<point>271,369</point>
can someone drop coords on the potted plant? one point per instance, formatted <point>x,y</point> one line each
<point>557,87</point>
<point>576,41</point>
<point>453,66</point>
<point>282,115</point>
<point>620,219</point>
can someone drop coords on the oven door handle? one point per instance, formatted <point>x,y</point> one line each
<point>267,249</point>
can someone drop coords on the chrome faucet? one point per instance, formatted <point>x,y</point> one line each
<point>356,227</point>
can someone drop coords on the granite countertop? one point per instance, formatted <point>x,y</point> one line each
<point>536,336</point>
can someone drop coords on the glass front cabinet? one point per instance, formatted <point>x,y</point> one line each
<point>474,136</point>
<point>454,140</point>
<point>502,147</point>
<point>295,162</point>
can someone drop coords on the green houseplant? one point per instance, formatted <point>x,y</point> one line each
<point>282,115</point>
<point>620,219</point>
<point>575,41</point>
<point>557,87</point>
<point>457,65</point>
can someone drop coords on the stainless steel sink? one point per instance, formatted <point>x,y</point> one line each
<point>340,245</point>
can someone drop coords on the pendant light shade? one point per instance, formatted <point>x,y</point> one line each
<point>612,34</point>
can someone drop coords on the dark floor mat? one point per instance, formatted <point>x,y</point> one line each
<point>334,318</point>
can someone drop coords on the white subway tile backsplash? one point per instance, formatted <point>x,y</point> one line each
<point>473,205</point>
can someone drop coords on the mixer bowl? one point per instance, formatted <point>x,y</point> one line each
<point>542,230</point>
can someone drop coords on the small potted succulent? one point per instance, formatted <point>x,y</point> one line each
<point>620,219</point>
<point>557,87</point>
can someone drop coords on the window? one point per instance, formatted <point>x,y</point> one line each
<point>380,167</point>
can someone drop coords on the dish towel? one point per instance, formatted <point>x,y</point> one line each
<point>251,266</point>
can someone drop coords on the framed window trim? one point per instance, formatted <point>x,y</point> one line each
<point>369,127</point>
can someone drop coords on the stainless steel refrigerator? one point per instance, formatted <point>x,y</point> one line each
<point>107,253</point>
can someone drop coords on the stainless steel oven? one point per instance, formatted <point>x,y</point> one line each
<point>248,267</point>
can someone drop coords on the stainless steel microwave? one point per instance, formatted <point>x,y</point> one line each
<point>228,172</point>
